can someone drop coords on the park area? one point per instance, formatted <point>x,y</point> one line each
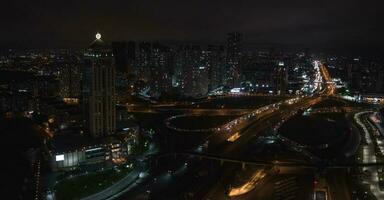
<point>325,134</point>
<point>82,186</point>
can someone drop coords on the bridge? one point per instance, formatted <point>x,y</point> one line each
<point>260,163</point>
<point>333,109</point>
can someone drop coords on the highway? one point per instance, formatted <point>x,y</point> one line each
<point>262,124</point>
<point>192,178</point>
<point>192,111</point>
<point>218,145</point>
<point>247,127</point>
<point>330,85</point>
<point>259,127</point>
<point>369,154</point>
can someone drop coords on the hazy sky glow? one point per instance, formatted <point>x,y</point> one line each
<point>321,23</point>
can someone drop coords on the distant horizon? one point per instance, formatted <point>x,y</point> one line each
<point>351,49</point>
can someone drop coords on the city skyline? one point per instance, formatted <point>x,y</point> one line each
<point>194,100</point>
<point>323,25</point>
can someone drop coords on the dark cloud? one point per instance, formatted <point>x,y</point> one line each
<point>319,23</point>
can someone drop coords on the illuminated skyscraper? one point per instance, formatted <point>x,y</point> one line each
<point>233,59</point>
<point>194,70</point>
<point>280,79</point>
<point>215,64</point>
<point>69,79</point>
<point>99,89</point>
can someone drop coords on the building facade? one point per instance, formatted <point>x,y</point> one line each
<point>69,76</point>
<point>233,71</point>
<point>99,90</point>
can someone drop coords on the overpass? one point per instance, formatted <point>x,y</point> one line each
<point>260,163</point>
<point>333,109</point>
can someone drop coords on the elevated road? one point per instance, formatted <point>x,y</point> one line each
<point>369,154</point>
<point>222,150</point>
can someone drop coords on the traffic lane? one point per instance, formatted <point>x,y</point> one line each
<point>115,188</point>
<point>161,186</point>
<point>229,147</point>
<point>339,184</point>
<point>191,184</point>
<point>250,132</point>
<point>245,140</point>
<point>265,190</point>
<point>236,148</point>
<point>262,124</point>
<point>218,140</point>
<point>220,190</point>
<point>369,156</point>
<point>165,185</point>
<point>354,139</point>
<point>220,143</point>
<point>161,174</point>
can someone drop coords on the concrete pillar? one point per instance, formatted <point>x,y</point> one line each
<point>243,165</point>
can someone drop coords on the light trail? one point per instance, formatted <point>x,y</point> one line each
<point>234,137</point>
<point>249,185</point>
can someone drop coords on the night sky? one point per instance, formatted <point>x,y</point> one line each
<point>340,24</point>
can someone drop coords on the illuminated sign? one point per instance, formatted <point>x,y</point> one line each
<point>60,157</point>
<point>235,90</point>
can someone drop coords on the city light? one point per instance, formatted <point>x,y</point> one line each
<point>60,157</point>
<point>98,36</point>
<point>167,105</point>
<point>249,185</point>
<point>234,137</point>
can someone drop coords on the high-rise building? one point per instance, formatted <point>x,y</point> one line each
<point>258,70</point>
<point>155,66</point>
<point>70,79</point>
<point>193,64</point>
<point>142,69</point>
<point>215,64</point>
<point>280,78</point>
<point>161,68</point>
<point>124,54</point>
<point>99,89</point>
<point>364,76</point>
<point>233,70</point>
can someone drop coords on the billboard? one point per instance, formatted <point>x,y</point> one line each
<point>60,157</point>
